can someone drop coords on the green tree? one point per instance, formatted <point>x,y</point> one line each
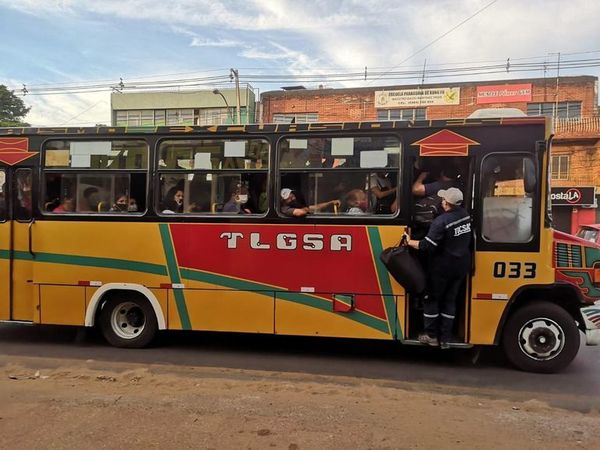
<point>12,109</point>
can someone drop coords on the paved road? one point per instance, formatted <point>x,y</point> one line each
<point>578,387</point>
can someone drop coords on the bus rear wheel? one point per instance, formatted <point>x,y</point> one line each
<point>128,322</point>
<point>541,337</point>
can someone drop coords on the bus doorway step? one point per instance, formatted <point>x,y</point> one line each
<point>462,345</point>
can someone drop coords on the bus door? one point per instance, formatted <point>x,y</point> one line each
<point>507,237</point>
<point>441,172</point>
<point>16,287</point>
<point>4,248</point>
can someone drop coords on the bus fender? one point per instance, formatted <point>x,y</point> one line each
<point>90,313</point>
<point>563,294</point>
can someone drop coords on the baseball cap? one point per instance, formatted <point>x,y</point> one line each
<point>285,193</point>
<point>452,195</point>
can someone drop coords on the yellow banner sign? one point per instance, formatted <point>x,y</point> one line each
<point>413,98</point>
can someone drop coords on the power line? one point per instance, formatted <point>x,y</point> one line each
<point>517,65</point>
<point>476,13</point>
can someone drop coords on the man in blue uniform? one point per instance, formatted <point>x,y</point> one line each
<point>448,241</point>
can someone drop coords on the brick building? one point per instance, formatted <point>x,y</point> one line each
<point>572,102</point>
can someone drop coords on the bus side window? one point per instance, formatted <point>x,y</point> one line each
<point>213,176</point>
<point>507,189</point>
<point>340,176</point>
<point>95,176</point>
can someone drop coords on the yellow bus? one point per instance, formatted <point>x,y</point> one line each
<point>136,230</point>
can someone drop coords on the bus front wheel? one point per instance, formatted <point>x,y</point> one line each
<point>128,322</point>
<point>541,337</point>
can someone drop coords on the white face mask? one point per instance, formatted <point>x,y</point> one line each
<point>242,198</point>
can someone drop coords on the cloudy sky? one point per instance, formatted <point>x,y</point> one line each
<point>66,42</point>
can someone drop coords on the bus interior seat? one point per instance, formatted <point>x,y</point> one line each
<point>216,208</point>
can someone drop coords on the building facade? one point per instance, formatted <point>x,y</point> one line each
<point>210,107</point>
<point>572,102</point>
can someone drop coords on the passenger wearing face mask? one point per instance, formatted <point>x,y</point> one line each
<point>133,207</point>
<point>121,203</point>
<point>238,203</point>
<point>124,204</point>
<point>357,202</point>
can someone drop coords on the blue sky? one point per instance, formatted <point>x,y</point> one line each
<point>72,41</point>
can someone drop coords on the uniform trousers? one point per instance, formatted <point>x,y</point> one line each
<point>446,275</point>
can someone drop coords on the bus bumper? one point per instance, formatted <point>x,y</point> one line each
<point>591,317</point>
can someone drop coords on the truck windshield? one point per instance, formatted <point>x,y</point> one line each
<point>588,234</point>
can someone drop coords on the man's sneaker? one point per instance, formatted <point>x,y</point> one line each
<point>424,338</point>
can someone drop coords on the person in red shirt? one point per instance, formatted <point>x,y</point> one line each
<point>67,205</point>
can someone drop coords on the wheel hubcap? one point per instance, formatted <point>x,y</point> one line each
<point>128,320</point>
<point>541,339</point>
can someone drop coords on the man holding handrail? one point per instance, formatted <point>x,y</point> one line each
<point>291,206</point>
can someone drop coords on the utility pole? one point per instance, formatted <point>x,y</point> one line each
<point>234,74</point>
<point>556,94</point>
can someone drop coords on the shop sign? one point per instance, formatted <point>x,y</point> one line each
<point>504,93</point>
<point>573,196</point>
<point>411,98</point>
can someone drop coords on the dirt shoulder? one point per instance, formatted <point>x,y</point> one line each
<point>73,404</point>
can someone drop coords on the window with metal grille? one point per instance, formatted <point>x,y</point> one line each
<point>216,116</point>
<point>295,117</point>
<point>402,114</point>
<point>150,117</point>
<point>565,110</point>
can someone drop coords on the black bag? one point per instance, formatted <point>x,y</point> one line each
<point>405,268</point>
<point>427,209</point>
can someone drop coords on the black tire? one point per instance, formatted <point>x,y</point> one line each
<point>128,321</point>
<point>541,337</point>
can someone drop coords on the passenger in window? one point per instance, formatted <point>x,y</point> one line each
<point>132,207</point>
<point>67,205</point>
<point>124,204</point>
<point>383,193</point>
<point>173,202</point>
<point>23,205</point>
<point>356,201</point>
<point>121,204</point>
<point>238,201</point>
<point>89,201</point>
<point>447,178</point>
<point>291,206</point>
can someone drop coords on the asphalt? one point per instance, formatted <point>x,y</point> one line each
<point>482,371</point>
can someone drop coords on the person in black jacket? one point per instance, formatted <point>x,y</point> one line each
<point>448,241</point>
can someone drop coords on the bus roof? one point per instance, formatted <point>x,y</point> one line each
<point>273,128</point>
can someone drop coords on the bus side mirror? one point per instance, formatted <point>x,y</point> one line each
<point>529,175</point>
